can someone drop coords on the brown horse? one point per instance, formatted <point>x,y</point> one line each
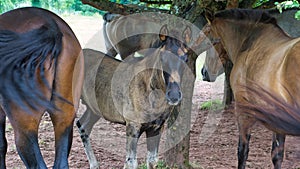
<point>216,60</point>
<point>216,57</point>
<point>261,52</point>
<point>41,69</point>
<point>138,92</point>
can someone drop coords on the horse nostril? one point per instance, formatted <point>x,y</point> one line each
<point>205,75</point>
<point>174,97</point>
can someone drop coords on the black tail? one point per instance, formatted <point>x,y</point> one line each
<point>22,59</point>
<point>276,114</point>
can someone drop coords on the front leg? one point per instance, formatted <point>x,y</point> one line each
<point>133,133</point>
<point>277,149</point>
<point>153,137</point>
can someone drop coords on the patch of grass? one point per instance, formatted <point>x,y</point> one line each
<point>160,165</point>
<point>212,105</point>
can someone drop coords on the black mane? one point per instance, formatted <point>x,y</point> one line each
<point>256,16</point>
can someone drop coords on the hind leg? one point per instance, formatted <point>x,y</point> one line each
<point>277,149</point>
<point>3,141</point>
<point>85,125</point>
<point>153,138</point>
<point>25,127</point>
<point>244,124</point>
<point>63,129</point>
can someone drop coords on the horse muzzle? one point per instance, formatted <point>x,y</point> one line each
<point>173,94</point>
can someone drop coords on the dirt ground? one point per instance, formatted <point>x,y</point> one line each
<point>214,134</point>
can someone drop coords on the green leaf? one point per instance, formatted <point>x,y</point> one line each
<point>259,3</point>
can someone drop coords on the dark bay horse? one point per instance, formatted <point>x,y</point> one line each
<point>41,69</point>
<point>126,35</point>
<point>263,53</point>
<point>139,92</point>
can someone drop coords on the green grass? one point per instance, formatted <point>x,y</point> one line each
<point>160,165</point>
<point>212,105</point>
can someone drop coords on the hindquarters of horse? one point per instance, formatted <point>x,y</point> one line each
<point>65,78</point>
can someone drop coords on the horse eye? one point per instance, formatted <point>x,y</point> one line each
<point>184,57</point>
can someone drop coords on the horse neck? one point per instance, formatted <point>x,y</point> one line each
<point>152,61</point>
<point>240,37</point>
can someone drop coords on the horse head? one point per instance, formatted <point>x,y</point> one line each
<point>216,57</point>
<point>173,55</point>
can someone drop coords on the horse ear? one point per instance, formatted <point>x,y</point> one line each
<point>187,34</point>
<point>163,33</point>
<point>209,15</point>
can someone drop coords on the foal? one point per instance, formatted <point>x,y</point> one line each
<point>139,93</point>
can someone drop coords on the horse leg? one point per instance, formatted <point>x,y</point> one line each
<point>133,133</point>
<point>68,84</point>
<point>3,141</point>
<point>153,138</point>
<point>25,127</point>
<point>85,125</point>
<point>244,124</point>
<point>277,149</point>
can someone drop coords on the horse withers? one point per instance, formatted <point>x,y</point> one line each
<point>261,52</point>
<point>41,68</point>
<point>139,93</point>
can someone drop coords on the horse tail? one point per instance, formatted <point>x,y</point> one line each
<point>22,64</point>
<point>276,114</point>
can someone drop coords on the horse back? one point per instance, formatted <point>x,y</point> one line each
<point>97,85</point>
<point>128,34</point>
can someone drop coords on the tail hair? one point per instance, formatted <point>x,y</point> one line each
<point>22,56</point>
<point>276,113</point>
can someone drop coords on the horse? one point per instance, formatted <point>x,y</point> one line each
<point>41,70</point>
<point>125,35</point>
<point>263,53</point>
<point>216,60</point>
<point>139,92</point>
<point>216,57</point>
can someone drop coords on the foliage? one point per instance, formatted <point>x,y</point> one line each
<point>61,6</point>
<point>259,3</point>
<point>287,5</point>
<point>297,15</point>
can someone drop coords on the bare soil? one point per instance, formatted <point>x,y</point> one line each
<point>214,134</point>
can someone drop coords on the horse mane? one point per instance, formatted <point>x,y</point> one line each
<point>256,16</point>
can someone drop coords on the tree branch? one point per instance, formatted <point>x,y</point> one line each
<point>156,2</point>
<point>105,5</point>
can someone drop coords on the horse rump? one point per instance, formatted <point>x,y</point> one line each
<point>276,113</point>
<point>22,64</point>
